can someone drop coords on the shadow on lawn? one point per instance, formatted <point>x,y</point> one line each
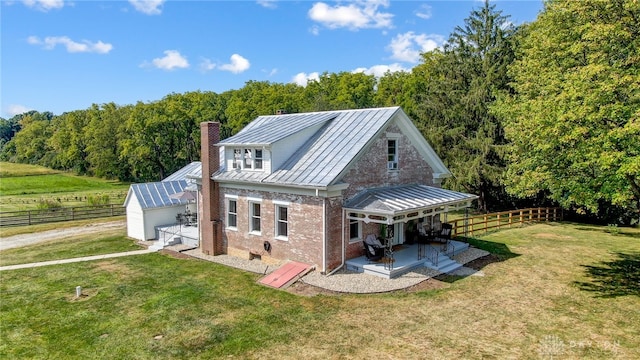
<point>498,252</point>
<point>619,277</point>
<point>606,230</point>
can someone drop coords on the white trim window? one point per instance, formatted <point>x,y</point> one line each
<point>282,222</point>
<point>237,159</point>
<point>232,213</point>
<point>257,159</point>
<point>254,217</point>
<point>355,230</point>
<point>392,154</point>
<point>248,159</point>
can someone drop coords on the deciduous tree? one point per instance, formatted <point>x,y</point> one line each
<point>574,119</point>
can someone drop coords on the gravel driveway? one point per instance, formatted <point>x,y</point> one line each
<point>15,241</point>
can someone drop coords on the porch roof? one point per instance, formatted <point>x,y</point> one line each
<point>404,199</point>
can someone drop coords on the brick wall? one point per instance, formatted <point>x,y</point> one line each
<point>304,242</point>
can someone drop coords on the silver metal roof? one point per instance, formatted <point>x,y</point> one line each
<point>185,171</point>
<point>158,194</point>
<point>266,130</point>
<point>323,157</point>
<point>404,198</point>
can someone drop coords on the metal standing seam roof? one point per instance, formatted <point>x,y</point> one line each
<point>324,156</point>
<point>183,173</point>
<point>157,194</point>
<point>266,130</point>
<point>399,199</point>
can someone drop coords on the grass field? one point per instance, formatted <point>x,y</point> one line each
<point>24,187</point>
<point>549,291</point>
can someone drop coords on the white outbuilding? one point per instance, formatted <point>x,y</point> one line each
<point>154,206</point>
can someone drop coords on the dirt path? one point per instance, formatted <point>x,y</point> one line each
<point>15,241</point>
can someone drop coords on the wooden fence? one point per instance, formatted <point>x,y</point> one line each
<point>506,219</point>
<point>31,217</point>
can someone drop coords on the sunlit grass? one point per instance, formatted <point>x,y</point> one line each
<point>530,303</point>
<point>8,169</point>
<point>25,187</point>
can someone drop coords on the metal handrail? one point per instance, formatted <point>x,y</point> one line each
<point>448,245</point>
<point>434,254</point>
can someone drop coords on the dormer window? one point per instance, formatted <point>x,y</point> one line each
<point>237,159</point>
<point>257,159</point>
<point>247,159</point>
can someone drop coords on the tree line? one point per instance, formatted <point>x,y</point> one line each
<point>538,114</point>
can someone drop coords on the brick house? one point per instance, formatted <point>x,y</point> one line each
<point>309,187</point>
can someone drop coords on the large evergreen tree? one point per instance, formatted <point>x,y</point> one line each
<point>461,83</point>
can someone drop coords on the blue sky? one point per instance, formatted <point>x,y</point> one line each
<point>62,56</point>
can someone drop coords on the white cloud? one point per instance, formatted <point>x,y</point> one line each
<point>51,42</point>
<point>207,65</point>
<point>380,70</point>
<point>269,4</point>
<point>303,78</point>
<point>171,60</point>
<point>15,109</point>
<point>315,30</point>
<point>271,72</point>
<point>44,5</point>
<point>238,64</point>
<point>359,14</point>
<point>149,7</point>
<point>424,12</point>
<point>407,47</point>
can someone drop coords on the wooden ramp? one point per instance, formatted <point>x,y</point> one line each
<point>286,275</point>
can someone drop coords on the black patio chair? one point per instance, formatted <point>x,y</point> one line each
<point>373,248</point>
<point>445,234</point>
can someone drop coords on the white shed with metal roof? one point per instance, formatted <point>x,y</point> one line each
<point>151,205</point>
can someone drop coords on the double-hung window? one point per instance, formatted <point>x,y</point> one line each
<point>392,154</point>
<point>248,158</point>
<point>254,217</point>
<point>282,221</point>
<point>232,213</point>
<point>257,159</point>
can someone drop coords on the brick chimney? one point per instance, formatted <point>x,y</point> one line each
<point>210,225</point>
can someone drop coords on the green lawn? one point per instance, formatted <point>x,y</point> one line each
<point>8,169</point>
<point>551,291</point>
<point>24,187</point>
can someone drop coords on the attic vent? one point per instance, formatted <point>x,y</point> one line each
<point>281,112</point>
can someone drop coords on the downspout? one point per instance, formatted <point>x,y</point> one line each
<point>198,214</point>
<point>324,235</point>
<point>343,248</point>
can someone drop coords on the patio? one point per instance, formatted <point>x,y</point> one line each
<point>406,258</point>
<point>186,234</point>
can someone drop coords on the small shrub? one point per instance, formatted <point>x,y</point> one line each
<point>613,229</point>
<point>48,204</point>
<point>98,200</point>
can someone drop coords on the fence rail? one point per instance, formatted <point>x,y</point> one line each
<point>32,217</point>
<point>469,226</point>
